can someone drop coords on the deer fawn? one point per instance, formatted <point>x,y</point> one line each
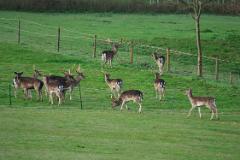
<point>130,95</point>
<point>209,102</point>
<point>28,83</point>
<point>160,61</point>
<point>159,86</point>
<point>115,85</point>
<point>108,55</point>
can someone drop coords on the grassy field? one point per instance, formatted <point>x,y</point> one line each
<point>37,130</point>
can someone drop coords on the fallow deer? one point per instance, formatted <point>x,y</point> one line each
<point>160,61</point>
<point>28,83</point>
<point>115,85</point>
<point>68,81</point>
<point>159,86</point>
<point>209,102</point>
<point>55,87</point>
<point>108,55</point>
<point>130,95</point>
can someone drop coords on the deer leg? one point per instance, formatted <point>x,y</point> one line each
<point>156,94</point>
<point>212,115</point>
<point>140,108</point>
<point>51,98</point>
<point>70,93</point>
<point>110,63</point>
<point>122,105</point>
<point>199,111</point>
<point>15,92</point>
<point>126,107</point>
<point>190,111</point>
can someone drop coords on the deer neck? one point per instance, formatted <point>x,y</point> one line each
<point>190,96</point>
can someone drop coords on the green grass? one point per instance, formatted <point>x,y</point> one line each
<point>36,130</point>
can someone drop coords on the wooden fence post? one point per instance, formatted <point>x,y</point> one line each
<point>19,31</point>
<point>58,39</point>
<point>131,52</point>
<point>95,46</point>
<point>168,59</point>
<point>216,69</point>
<point>231,78</point>
<point>10,94</point>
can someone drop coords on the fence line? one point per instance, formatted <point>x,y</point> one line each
<point>130,44</point>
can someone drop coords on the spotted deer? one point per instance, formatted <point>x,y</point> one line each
<point>55,88</point>
<point>68,81</point>
<point>115,85</point>
<point>159,86</point>
<point>130,95</point>
<point>27,84</point>
<point>209,102</point>
<point>160,61</point>
<point>108,55</point>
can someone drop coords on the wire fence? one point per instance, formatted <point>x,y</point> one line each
<point>70,42</point>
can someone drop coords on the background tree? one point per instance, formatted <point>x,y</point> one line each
<point>195,7</point>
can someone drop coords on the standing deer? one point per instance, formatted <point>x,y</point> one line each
<point>209,102</point>
<point>68,81</point>
<point>160,61</point>
<point>159,86</point>
<point>130,95</point>
<point>115,85</point>
<point>55,87</point>
<point>108,55</point>
<point>28,83</point>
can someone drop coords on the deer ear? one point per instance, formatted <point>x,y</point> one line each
<point>21,73</point>
<point>15,73</point>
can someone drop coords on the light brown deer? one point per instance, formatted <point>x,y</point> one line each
<point>159,86</point>
<point>209,102</point>
<point>130,95</point>
<point>160,61</point>
<point>55,88</point>
<point>108,55</point>
<point>115,85</point>
<point>27,84</point>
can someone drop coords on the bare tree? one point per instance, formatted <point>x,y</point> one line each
<point>196,8</point>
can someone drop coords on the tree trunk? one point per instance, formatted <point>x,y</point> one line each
<point>199,48</point>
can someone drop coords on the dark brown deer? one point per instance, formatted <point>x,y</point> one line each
<point>115,85</point>
<point>108,55</point>
<point>159,86</point>
<point>27,84</point>
<point>68,81</point>
<point>130,95</point>
<point>160,61</point>
<point>209,102</point>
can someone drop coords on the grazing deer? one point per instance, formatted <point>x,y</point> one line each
<point>209,102</point>
<point>159,85</point>
<point>28,83</point>
<point>160,61</point>
<point>108,55</point>
<point>130,95</point>
<point>115,85</point>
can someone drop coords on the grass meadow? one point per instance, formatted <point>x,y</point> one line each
<point>37,130</point>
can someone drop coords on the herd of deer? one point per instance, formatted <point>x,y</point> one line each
<point>58,86</point>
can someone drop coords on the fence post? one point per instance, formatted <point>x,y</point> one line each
<point>231,78</point>
<point>216,69</point>
<point>80,95</point>
<point>95,46</point>
<point>168,59</point>
<point>10,94</point>
<point>58,39</point>
<point>19,31</point>
<point>131,52</point>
